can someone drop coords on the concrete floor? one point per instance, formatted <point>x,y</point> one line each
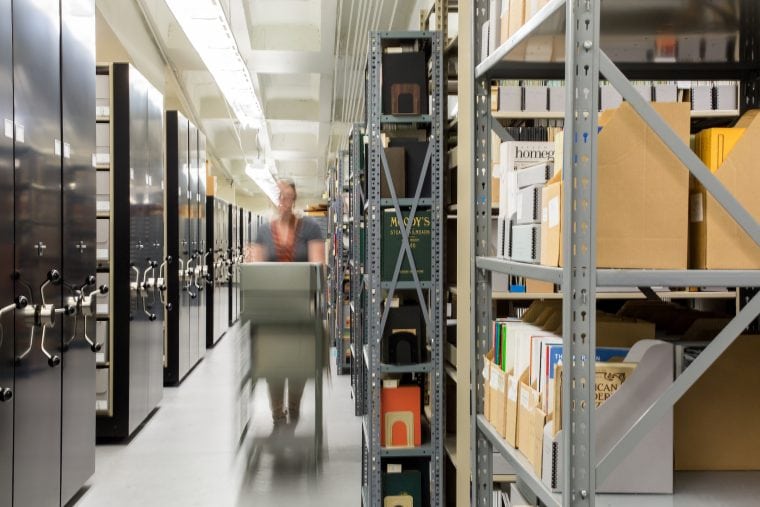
<point>187,454</point>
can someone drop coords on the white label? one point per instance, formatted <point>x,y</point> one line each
<point>102,253</point>
<point>94,160</point>
<point>394,469</point>
<point>19,133</point>
<point>696,208</point>
<point>512,389</point>
<point>57,147</point>
<point>66,150</point>
<point>8,128</point>
<point>103,158</point>
<point>524,399</point>
<point>544,215</point>
<point>553,212</point>
<point>485,372</point>
<point>100,357</point>
<point>500,383</point>
<point>102,308</point>
<point>101,404</point>
<point>103,205</point>
<point>494,380</point>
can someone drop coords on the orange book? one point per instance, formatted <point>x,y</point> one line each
<point>400,417</point>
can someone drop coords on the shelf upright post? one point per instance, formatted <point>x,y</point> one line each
<point>482,450</point>
<point>374,296</point>
<point>579,249</point>
<point>340,270</point>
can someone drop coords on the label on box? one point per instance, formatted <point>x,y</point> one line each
<point>500,383</point>
<point>553,212</point>
<point>494,380</point>
<point>525,399</point>
<point>512,389</point>
<point>485,372</point>
<point>696,208</point>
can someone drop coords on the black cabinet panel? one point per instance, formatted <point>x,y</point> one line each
<point>36,74</point>
<point>6,253</point>
<point>78,216</point>
<point>204,247</point>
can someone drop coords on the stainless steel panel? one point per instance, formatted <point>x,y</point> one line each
<point>194,313</point>
<point>6,252</point>
<point>155,221</point>
<point>139,328</point>
<point>79,209</point>
<point>203,246</point>
<point>36,37</point>
<point>184,246</point>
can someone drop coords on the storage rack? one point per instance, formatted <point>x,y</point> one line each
<point>217,239</point>
<point>584,60</point>
<point>380,293</point>
<point>129,376</point>
<point>356,179</point>
<point>338,264</point>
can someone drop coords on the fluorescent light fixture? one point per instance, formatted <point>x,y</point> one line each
<point>206,26</point>
<point>264,179</point>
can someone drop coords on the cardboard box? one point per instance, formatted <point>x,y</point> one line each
<point>397,168</point>
<point>530,425</point>
<point>487,365</point>
<point>716,422</point>
<point>532,7</point>
<point>642,194</point>
<point>510,98</point>
<point>516,16</point>
<point>504,22</point>
<point>400,417</point>
<point>498,387</point>
<point>716,241</point>
<point>535,98</point>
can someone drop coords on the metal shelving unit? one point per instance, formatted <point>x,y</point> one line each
<point>338,262</point>
<point>356,172</point>
<point>430,295</point>
<point>598,34</point>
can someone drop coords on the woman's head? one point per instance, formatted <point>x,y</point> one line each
<point>287,197</point>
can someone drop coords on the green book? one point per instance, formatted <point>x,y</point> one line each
<point>419,241</point>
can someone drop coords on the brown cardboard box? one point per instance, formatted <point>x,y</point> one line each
<point>210,185</point>
<point>716,422</point>
<point>716,241</point>
<point>530,425</point>
<point>532,7</point>
<point>487,363</point>
<point>498,388</point>
<point>538,287</point>
<point>516,16</point>
<point>510,423</point>
<point>642,194</point>
<point>504,19</point>
<point>397,168</point>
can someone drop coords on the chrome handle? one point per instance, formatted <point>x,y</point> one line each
<point>136,284</point>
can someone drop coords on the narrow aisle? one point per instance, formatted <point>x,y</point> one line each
<point>187,453</point>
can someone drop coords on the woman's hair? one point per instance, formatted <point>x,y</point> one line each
<point>290,183</point>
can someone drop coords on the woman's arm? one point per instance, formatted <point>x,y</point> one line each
<point>256,253</point>
<point>316,250</point>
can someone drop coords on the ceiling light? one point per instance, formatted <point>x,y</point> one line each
<point>263,177</point>
<point>207,29</point>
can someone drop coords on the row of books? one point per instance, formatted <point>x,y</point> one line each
<point>549,96</point>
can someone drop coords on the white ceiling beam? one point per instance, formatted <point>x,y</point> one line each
<point>288,62</point>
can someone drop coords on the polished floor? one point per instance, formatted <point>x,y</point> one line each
<point>188,453</point>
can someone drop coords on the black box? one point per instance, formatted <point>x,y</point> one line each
<point>405,84</point>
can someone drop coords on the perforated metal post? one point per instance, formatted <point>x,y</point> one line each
<point>438,216</point>
<point>482,450</point>
<point>374,296</point>
<point>579,251</point>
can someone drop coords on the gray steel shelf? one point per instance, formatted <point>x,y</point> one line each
<point>616,39</point>
<point>630,277</point>
<point>629,32</point>
<point>356,267</point>
<point>379,293</point>
<point>522,466</point>
<point>398,368</point>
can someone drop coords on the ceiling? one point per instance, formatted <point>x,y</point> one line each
<point>306,58</point>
